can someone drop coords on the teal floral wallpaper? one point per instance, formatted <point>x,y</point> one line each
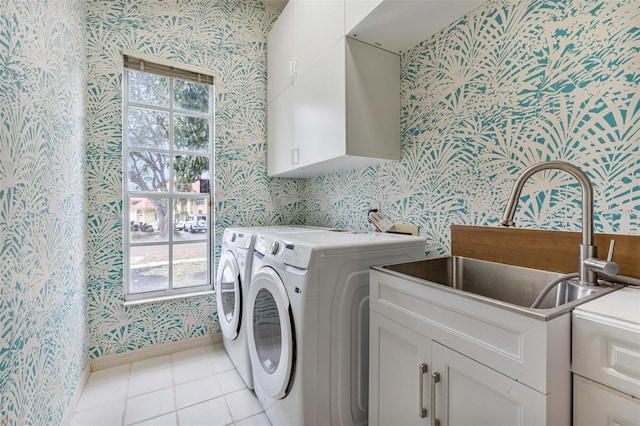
<point>511,84</point>
<point>228,37</point>
<point>42,220</point>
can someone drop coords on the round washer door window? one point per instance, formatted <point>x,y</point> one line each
<point>270,332</point>
<point>228,295</point>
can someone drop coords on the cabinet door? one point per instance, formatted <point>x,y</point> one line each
<point>319,25</point>
<point>395,378</point>
<point>280,52</point>
<point>280,134</point>
<point>356,11</point>
<point>470,393</point>
<point>596,404</point>
<point>320,108</point>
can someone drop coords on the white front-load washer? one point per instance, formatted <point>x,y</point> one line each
<point>308,323</point>
<point>233,278</point>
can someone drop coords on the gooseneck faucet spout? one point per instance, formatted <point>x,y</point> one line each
<point>589,264</point>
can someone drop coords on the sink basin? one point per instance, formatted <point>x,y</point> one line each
<point>512,287</point>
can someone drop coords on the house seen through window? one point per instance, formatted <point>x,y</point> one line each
<point>167,172</point>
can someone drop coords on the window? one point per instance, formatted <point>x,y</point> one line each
<point>167,160</point>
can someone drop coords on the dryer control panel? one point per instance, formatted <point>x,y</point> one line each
<point>283,251</point>
<point>237,238</point>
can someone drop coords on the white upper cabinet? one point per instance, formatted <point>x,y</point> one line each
<point>355,11</point>
<point>342,113</point>
<point>304,31</point>
<point>334,101</point>
<point>281,51</point>
<point>319,25</point>
<point>399,25</point>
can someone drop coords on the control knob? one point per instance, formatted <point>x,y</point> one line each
<point>274,247</point>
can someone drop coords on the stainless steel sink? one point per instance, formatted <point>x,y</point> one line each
<point>511,287</point>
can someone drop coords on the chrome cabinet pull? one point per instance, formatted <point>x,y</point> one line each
<point>422,411</point>
<point>435,378</point>
<point>295,156</point>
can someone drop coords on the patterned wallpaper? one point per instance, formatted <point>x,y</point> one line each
<point>229,37</point>
<point>42,220</point>
<point>511,84</point>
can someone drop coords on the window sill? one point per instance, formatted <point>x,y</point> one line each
<point>168,298</point>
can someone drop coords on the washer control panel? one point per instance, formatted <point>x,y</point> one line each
<point>284,251</point>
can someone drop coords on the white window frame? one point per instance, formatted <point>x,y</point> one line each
<point>173,70</point>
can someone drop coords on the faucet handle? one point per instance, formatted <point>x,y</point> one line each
<point>608,267</point>
<point>610,254</point>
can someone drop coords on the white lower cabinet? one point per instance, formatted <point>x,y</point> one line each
<point>469,393</point>
<point>417,378</point>
<point>396,379</point>
<point>606,360</point>
<point>596,404</point>
<point>442,359</point>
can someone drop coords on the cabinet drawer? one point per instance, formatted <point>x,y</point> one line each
<point>607,351</point>
<point>595,404</point>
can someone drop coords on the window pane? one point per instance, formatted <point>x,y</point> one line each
<point>180,213</point>
<point>148,128</point>
<point>149,268</point>
<point>149,219</point>
<point>191,96</point>
<point>191,133</point>
<point>190,170</point>
<point>190,265</point>
<point>150,89</point>
<point>185,212</point>
<point>148,171</point>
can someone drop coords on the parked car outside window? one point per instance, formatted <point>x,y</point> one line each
<point>196,223</point>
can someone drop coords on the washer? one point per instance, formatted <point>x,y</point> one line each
<point>308,324</point>
<point>232,286</point>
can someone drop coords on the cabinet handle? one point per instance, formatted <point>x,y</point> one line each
<point>295,156</point>
<point>294,68</point>
<point>422,411</point>
<point>435,378</point>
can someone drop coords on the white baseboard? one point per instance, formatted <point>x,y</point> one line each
<point>68,416</point>
<point>152,351</point>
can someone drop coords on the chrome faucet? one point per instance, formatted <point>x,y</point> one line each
<point>589,264</point>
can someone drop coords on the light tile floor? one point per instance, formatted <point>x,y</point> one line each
<point>194,387</point>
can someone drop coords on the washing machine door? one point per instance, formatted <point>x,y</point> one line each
<point>229,295</point>
<point>271,336</point>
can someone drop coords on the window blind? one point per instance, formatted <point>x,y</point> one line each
<point>145,65</point>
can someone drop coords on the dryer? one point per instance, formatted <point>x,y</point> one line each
<point>308,326</point>
<point>233,277</point>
